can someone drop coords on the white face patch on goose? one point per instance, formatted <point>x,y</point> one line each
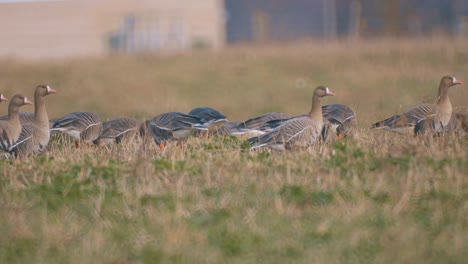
<point>454,80</point>
<point>327,91</point>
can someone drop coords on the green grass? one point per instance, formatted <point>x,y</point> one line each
<point>374,197</point>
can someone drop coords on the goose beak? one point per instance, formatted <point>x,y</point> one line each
<point>3,98</point>
<point>50,90</point>
<point>27,102</point>
<point>329,92</point>
<point>455,81</point>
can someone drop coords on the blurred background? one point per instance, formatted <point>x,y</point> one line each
<point>242,57</point>
<point>67,28</point>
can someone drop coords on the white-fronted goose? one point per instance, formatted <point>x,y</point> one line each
<point>174,125</point>
<point>10,129</point>
<point>211,118</point>
<point>113,131</point>
<point>297,132</point>
<point>440,112</point>
<point>251,126</point>
<point>35,136</point>
<point>80,126</point>
<point>340,119</point>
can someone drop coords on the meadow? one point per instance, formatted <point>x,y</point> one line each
<point>375,197</point>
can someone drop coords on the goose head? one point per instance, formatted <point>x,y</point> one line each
<point>44,90</point>
<point>323,91</point>
<point>20,100</point>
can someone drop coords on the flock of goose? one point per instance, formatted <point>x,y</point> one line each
<point>27,133</point>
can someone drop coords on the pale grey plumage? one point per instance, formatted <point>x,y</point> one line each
<point>118,128</point>
<point>174,125</point>
<point>24,117</point>
<point>80,126</point>
<point>211,118</point>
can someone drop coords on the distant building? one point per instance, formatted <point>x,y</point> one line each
<point>266,20</point>
<point>71,28</point>
<point>65,28</point>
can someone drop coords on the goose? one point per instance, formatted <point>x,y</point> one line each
<point>173,125</point>
<point>113,131</point>
<point>251,127</point>
<point>296,132</point>
<point>211,118</point>
<point>35,135</point>
<point>80,126</point>
<point>338,118</point>
<point>10,129</point>
<point>439,113</point>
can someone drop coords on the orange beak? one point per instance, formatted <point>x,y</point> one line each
<point>27,102</point>
<point>457,82</point>
<point>3,98</point>
<point>50,90</point>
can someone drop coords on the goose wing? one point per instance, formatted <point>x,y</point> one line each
<point>295,132</point>
<point>409,118</point>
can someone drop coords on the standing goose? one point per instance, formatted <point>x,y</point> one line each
<point>10,129</point>
<point>80,126</point>
<point>35,136</point>
<point>297,132</point>
<point>173,125</point>
<point>211,118</point>
<point>252,126</point>
<point>113,131</point>
<point>439,113</point>
<point>339,118</point>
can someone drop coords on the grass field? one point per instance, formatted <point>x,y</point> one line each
<point>374,197</point>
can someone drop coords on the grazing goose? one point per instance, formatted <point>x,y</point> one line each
<point>439,113</point>
<point>10,129</point>
<point>252,126</point>
<point>173,125</point>
<point>296,132</point>
<point>211,118</point>
<point>35,136</point>
<point>80,126</point>
<point>342,119</point>
<point>113,131</point>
